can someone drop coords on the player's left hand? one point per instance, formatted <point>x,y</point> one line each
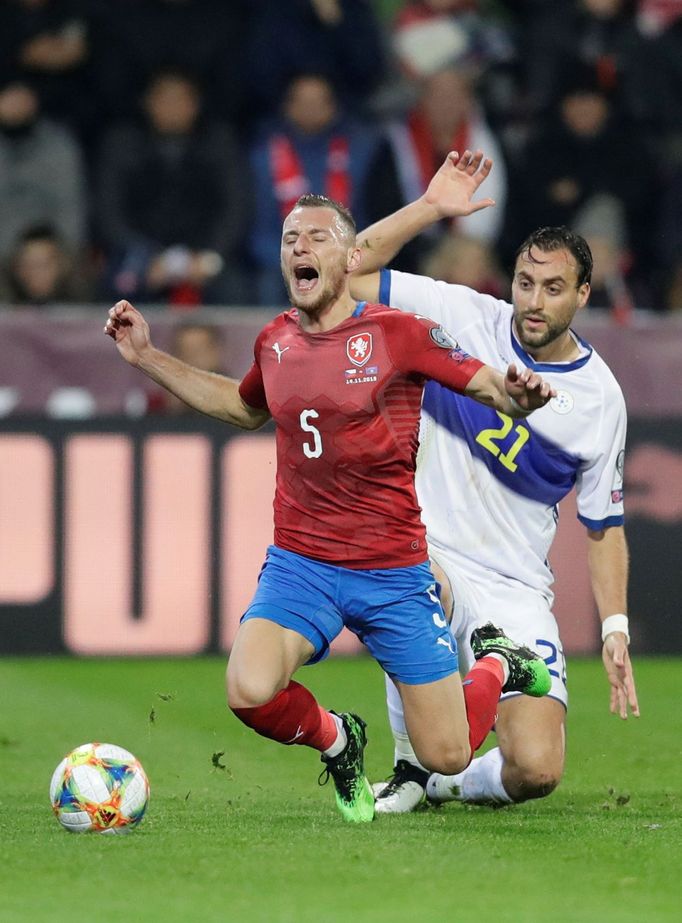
<point>618,668</point>
<point>529,390</point>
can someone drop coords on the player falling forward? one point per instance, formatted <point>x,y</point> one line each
<point>343,382</point>
<point>489,486</point>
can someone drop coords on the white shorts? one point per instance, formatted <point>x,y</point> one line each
<point>523,614</point>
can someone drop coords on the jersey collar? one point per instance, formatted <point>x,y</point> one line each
<point>359,309</point>
<point>530,363</point>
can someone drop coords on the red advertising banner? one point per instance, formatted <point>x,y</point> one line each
<point>133,539</point>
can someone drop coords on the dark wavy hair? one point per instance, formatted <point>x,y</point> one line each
<point>560,238</point>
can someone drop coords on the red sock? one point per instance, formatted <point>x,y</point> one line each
<point>482,688</point>
<point>292,717</point>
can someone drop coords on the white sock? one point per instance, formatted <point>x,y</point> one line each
<point>505,664</point>
<point>403,750</point>
<point>341,739</point>
<point>402,746</point>
<point>480,783</point>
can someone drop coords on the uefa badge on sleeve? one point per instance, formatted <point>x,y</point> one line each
<point>442,338</point>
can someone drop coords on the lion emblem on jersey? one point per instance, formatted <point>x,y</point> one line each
<point>359,348</point>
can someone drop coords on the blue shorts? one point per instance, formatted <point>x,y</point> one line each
<point>394,612</point>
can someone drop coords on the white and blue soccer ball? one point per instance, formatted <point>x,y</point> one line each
<point>99,788</point>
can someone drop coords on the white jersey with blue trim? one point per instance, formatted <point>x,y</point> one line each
<point>489,485</point>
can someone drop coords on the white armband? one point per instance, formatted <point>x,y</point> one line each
<point>615,623</point>
<point>517,407</point>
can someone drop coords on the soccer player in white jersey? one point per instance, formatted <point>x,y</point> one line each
<point>489,486</point>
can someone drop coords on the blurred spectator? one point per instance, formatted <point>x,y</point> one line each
<point>312,147</point>
<point>462,260</point>
<point>172,201</point>
<point>429,35</point>
<point>601,35</point>
<point>580,152</point>
<point>197,344</point>
<point>41,172</point>
<point>656,16</point>
<point>446,117</point>
<point>47,43</point>
<point>601,221</point>
<point>135,39</point>
<point>41,272</point>
<point>337,38</point>
<point>661,22</point>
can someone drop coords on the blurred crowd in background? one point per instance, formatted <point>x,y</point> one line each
<point>149,149</point>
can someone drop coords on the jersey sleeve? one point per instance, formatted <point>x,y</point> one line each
<point>425,349</point>
<point>251,387</point>
<point>453,306</point>
<point>599,485</point>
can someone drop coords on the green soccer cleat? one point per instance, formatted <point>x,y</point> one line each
<point>528,672</point>
<point>353,792</point>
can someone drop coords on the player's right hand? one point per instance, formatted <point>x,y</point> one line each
<point>527,388</point>
<point>455,183</point>
<point>129,330</point>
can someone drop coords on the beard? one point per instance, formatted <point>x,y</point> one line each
<point>536,339</point>
<point>325,296</point>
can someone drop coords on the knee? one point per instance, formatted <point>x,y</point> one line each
<point>250,691</point>
<point>540,783</point>
<point>535,780</point>
<point>448,759</point>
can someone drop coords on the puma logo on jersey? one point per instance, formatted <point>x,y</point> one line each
<point>299,732</point>
<point>279,352</point>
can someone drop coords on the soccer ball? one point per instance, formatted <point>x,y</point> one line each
<point>100,788</point>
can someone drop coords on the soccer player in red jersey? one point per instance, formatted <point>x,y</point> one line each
<point>343,382</point>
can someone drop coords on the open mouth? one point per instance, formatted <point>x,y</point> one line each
<point>306,278</point>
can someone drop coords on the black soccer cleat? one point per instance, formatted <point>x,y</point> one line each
<point>528,672</point>
<point>354,796</point>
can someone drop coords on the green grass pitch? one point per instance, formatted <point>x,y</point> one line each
<point>238,830</point>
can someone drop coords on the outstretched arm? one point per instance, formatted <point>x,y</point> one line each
<point>608,561</point>
<point>516,394</point>
<point>207,392</point>
<point>449,195</point>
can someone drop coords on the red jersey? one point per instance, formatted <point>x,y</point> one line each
<point>346,404</point>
